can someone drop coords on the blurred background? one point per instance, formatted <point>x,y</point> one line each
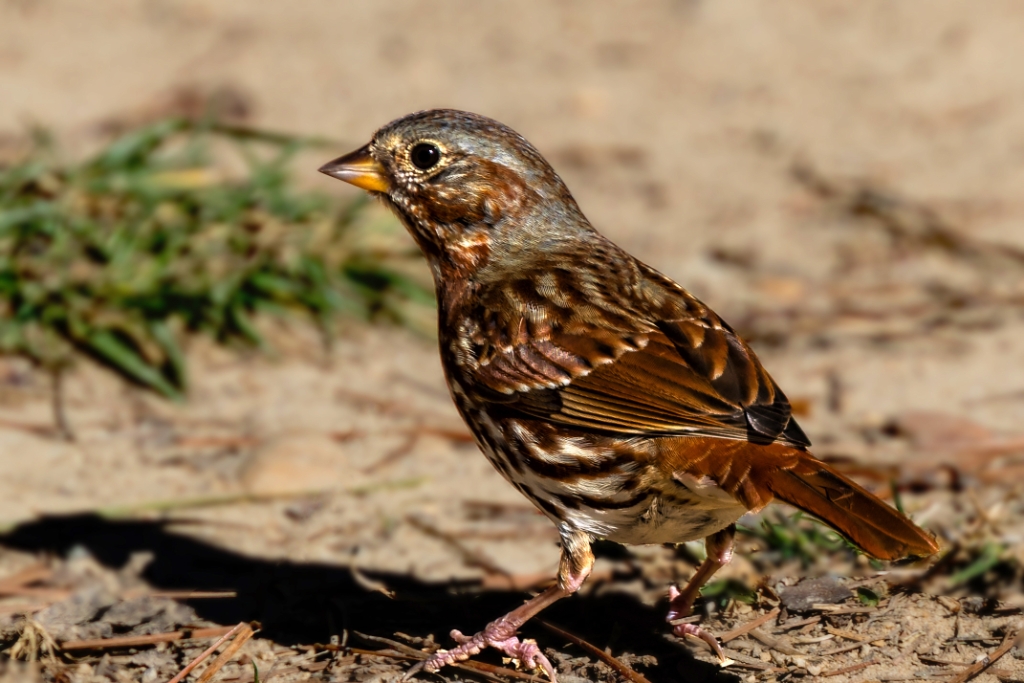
<point>218,369</point>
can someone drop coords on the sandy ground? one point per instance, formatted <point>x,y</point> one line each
<point>730,144</point>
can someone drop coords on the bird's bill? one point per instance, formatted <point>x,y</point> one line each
<point>359,169</point>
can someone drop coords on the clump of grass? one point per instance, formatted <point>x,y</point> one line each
<point>120,256</point>
<point>724,591</point>
<point>987,568</point>
<point>798,536</point>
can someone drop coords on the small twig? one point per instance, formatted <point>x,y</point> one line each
<point>967,674</point>
<point>812,641</point>
<point>841,650</point>
<point>369,584</point>
<point>937,660</point>
<point>58,404</point>
<point>51,594</point>
<point>747,662</point>
<point>229,652</point>
<point>492,671</point>
<point>749,626</point>
<point>790,625</point>
<point>394,455</point>
<point>833,609</point>
<point>394,644</point>
<point>138,641</point>
<point>622,669</point>
<point>182,594</point>
<point>207,652</point>
<point>849,669</point>
<point>772,642</point>
<point>31,574</point>
<point>975,639</point>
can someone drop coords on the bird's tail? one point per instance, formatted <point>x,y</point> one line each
<point>880,530</point>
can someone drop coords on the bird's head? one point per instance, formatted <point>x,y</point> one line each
<point>464,185</point>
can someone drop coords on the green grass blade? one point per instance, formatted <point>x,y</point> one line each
<point>107,347</point>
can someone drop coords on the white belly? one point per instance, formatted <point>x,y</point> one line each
<point>659,510</point>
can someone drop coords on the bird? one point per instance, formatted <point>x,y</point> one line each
<point>618,403</point>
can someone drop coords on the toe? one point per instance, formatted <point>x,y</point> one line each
<point>683,630</point>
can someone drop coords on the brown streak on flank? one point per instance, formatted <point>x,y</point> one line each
<point>547,440</point>
<point>580,470</point>
<point>544,505</point>
<point>568,501</point>
<point>605,504</point>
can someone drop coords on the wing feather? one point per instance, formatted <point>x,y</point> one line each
<point>663,365</point>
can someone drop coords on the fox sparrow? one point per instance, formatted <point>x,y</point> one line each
<point>619,404</point>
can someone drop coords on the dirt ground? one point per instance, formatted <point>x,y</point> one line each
<point>839,180</point>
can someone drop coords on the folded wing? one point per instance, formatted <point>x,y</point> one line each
<point>665,365</point>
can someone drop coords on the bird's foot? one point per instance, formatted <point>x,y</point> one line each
<point>683,630</point>
<point>498,635</point>
<point>680,607</point>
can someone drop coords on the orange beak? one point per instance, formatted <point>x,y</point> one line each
<point>359,169</point>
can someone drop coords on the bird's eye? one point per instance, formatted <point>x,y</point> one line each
<point>424,155</point>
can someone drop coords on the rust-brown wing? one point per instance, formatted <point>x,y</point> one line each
<point>640,373</point>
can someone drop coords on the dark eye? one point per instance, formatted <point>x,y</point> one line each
<point>424,155</point>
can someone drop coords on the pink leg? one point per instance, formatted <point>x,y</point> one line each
<point>719,551</point>
<point>576,563</point>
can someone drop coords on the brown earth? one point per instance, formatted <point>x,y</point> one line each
<point>840,180</point>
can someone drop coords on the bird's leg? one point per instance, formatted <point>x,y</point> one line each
<point>574,568</point>
<point>719,552</point>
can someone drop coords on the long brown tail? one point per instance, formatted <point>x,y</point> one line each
<point>880,530</point>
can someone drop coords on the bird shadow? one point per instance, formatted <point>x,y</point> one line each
<point>303,603</point>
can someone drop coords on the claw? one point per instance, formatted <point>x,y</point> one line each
<point>695,631</point>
